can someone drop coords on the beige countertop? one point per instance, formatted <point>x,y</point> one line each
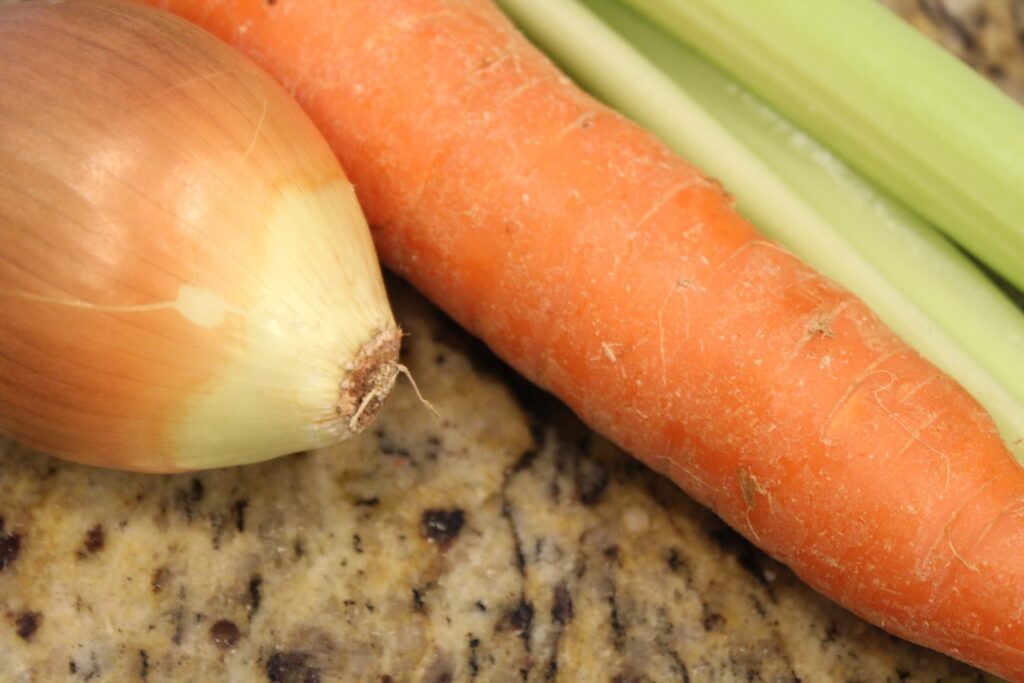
<point>501,542</point>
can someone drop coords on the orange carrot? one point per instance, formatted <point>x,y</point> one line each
<point>613,274</point>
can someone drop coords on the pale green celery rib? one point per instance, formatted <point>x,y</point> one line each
<point>799,194</point>
<point>903,111</point>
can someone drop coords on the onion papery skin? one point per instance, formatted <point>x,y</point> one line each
<point>186,278</point>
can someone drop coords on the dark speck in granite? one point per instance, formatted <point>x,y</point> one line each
<point>530,454</point>
<point>712,621</point>
<point>417,601</point>
<point>10,545</point>
<point>561,615</point>
<point>677,564</point>
<point>389,447</point>
<point>95,539</point>
<point>561,605</point>
<point>143,665</point>
<point>225,634</point>
<point>218,522</point>
<point>255,594</point>
<point>186,499</point>
<point>238,513</point>
<point>517,544</point>
<point>519,619</point>
<point>178,619</point>
<point>292,667</point>
<point>474,661</point>
<point>159,578</point>
<point>618,628</point>
<point>442,526</point>
<point>27,623</point>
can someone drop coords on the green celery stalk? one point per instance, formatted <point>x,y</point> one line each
<point>902,110</point>
<point>799,194</point>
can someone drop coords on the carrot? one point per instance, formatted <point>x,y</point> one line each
<point>613,274</point>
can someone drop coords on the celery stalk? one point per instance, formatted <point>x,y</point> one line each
<point>799,194</point>
<point>903,111</point>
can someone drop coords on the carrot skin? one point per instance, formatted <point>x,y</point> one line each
<point>613,274</point>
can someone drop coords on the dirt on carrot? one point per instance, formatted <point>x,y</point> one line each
<point>615,275</point>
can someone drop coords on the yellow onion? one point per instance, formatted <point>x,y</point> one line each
<point>186,278</point>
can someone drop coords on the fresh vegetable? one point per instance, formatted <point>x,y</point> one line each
<point>903,111</point>
<point>186,278</point>
<point>795,191</point>
<point>612,273</point>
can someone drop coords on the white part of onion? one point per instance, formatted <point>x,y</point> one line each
<point>186,278</point>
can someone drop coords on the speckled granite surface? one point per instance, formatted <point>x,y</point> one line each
<point>503,542</point>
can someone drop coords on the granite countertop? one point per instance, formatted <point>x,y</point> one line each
<point>502,541</point>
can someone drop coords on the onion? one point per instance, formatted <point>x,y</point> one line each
<point>186,278</point>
